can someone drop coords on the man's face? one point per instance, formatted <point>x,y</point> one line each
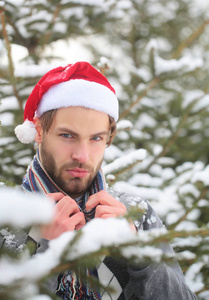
<point>72,150</point>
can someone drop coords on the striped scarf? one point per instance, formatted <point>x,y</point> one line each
<point>37,180</point>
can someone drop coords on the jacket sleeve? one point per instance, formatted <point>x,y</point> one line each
<point>157,281</point>
<point>160,281</point>
<point>13,240</point>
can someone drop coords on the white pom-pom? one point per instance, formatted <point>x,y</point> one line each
<point>26,132</point>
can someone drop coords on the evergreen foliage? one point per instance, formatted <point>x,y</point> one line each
<point>158,60</point>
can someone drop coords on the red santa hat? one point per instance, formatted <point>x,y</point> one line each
<point>77,84</point>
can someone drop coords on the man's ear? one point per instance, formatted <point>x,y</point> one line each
<point>39,130</point>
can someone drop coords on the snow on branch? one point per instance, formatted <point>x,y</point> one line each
<point>184,64</point>
<point>71,247</point>
<point>20,210</point>
<point>76,249</point>
<point>201,176</point>
<point>124,125</point>
<point>100,237</point>
<point>123,163</point>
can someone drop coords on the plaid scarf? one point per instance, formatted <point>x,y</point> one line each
<point>37,180</point>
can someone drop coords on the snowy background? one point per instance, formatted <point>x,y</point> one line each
<point>157,56</point>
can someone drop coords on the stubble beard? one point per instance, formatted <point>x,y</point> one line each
<point>72,186</point>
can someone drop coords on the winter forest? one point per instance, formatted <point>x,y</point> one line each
<point>156,55</point>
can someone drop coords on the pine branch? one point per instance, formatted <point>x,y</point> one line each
<point>118,173</point>
<point>206,288</point>
<point>172,234</point>
<point>195,204</point>
<point>48,34</point>
<point>133,250</point>
<point>124,163</point>
<point>174,136</point>
<point>150,86</point>
<point>103,69</point>
<point>176,54</point>
<point>11,65</point>
<point>152,238</point>
<point>190,39</point>
<point>17,38</point>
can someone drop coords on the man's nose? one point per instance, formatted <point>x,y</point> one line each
<point>81,153</point>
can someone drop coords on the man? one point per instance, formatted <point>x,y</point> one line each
<point>72,114</point>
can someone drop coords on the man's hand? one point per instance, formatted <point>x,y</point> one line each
<point>107,207</point>
<point>68,217</point>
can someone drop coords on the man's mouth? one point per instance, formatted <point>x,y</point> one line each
<point>78,172</point>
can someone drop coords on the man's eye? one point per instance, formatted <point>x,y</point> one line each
<point>66,135</point>
<point>96,138</point>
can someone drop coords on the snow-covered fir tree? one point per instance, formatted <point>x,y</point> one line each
<point>156,55</point>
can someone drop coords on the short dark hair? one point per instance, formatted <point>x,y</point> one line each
<point>47,119</point>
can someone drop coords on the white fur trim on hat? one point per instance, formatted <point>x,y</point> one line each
<point>79,92</point>
<point>26,132</point>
